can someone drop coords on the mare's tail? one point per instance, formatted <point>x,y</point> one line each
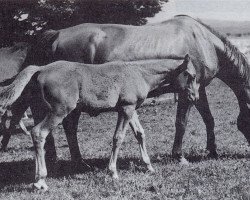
<point>10,93</point>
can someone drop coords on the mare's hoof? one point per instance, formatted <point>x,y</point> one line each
<point>213,155</point>
<point>40,185</point>
<point>3,149</point>
<point>183,161</point>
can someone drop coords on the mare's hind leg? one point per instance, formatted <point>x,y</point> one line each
<point>70,124</point>
<point>124,116</point>
<point>183,109</point>
<point>39,134</point>
<point>204,110</point>
<point>140,136</point>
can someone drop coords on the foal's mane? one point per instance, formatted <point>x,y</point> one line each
<point>231,52</point>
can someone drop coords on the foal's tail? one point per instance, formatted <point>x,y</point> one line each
<point>10,93</point>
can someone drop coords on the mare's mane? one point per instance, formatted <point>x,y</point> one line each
<point>231,52</point>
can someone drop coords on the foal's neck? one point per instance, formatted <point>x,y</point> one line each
<point>159,73</point>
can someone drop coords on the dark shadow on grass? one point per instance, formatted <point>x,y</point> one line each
<point>198,158</point>
<point>16,172</point>
<point>22,172</point>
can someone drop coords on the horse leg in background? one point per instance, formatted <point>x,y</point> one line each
<point>183,109</point>
<point>17,109</point>
<point>204,110</point>
<point>243,121</point>
<point>39,111</point>
<point>39,134</point>
<point>3,127</point>
<point>140,136</point>
<point>23,127</point>
<point>25,115</point>
<point>70,124</point>
<point>124,116</point>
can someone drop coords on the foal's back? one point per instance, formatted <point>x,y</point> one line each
<point>100,86</point>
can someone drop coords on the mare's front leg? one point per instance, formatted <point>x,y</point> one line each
<point>70,124</point>
<point>124,116</point>
<point>183,109</point>
<point>141,138</point>
<point>204,110</point>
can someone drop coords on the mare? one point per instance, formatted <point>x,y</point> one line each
<point>69,88</point>
<point>11,61</point>
<point>211,54</point>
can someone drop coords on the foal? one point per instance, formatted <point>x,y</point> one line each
<point>72,88</point>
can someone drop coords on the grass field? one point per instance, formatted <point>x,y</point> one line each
<point>228,177</point>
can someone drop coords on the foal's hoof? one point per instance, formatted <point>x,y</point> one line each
<point>115,176</point>
<point>40,185</point>
<point>151,169</point>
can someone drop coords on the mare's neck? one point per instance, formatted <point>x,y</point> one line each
<point>235,72</point>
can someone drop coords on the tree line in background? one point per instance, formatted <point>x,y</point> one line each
<point>23,19</point>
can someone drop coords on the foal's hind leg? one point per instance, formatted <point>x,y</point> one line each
<point>39,134</point>
<point>124,116</point>
<point>140,136</point>
<point>204,110</point>
<point>183,109</point>
<point>39,111</point>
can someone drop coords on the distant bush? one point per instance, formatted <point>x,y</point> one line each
<point>21,19</point>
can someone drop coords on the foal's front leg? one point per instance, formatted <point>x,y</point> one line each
<point>124,116</point>
<point>140,136</point>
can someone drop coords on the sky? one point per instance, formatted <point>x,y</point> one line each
<point>232,10</point>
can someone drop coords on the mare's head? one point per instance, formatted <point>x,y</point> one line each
<point>186,81</point>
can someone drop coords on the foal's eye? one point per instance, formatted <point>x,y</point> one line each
<point>186,73</point>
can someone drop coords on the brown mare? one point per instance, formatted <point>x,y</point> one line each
<point>69,88</point>
<point>11,61</point>
<point>211,53</point>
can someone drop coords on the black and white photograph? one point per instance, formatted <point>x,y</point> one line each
<point>125,99</point>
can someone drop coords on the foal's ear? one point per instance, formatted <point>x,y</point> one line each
<point>190,68</point>
<point>186,58</point>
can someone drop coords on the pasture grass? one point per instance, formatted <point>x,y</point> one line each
<point>228,177</point>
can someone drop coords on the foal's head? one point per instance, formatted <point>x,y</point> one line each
<point>187,82</point>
